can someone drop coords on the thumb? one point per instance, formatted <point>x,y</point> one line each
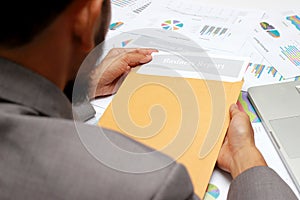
<point>234,109</point>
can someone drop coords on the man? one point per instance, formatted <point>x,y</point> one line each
<point>42,44</point>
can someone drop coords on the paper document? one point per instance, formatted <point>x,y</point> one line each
<point>199,66</point>
<point>259,74</point>
<point>277,38</point>
<point>213,28</point>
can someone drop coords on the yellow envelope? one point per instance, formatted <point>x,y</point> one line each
<point>184,118</point>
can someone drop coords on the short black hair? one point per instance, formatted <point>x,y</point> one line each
<point>22,20</point>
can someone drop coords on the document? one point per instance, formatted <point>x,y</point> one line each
<point>277,38</point>
<point>184,118</point>
<point>213,28</point>
<point>198,66</point>
<point>260,74</point>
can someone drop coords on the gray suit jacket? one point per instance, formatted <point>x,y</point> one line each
<point>45,154</point>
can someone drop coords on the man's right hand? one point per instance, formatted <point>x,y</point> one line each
<point>239,152</point>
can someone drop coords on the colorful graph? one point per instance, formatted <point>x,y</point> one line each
<point>263,72</point>
<point>115,26</point>
<point>212,192</point>
<point>292,53</point>
<point>172,25</point>
<point>270,29</point>
<point>272,71</point>
<point>295,21</point>
<point>213,31</point>
<point>123,3</point>
<point>125,43</point>
<point>258,69</point>
<point>274,33</point>
<point>245,105</point>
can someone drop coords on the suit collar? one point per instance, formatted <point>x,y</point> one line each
<point>22,86</point>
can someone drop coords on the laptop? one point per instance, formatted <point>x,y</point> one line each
<point>278,106</point>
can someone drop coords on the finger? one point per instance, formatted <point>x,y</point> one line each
<point>241,115</point>
<point>135,59</point>
<point>145,51</point>
<point>234,110</point>
<point>125,62</point>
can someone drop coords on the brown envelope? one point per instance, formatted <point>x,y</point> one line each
<point>184,118</point>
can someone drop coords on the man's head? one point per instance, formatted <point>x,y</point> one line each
<point>52,37</point>
<point>22,20</point>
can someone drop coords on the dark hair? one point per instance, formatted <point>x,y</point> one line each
<point>22,20</point>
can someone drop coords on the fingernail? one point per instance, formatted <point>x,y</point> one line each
<point>234,106</point>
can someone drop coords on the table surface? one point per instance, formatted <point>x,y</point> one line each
<point>267,5</point>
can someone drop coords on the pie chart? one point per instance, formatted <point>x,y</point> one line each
<point>115,26</point>
<point>212,192</point>
<point>270,29</point>
<point>172,25</point>
<point>274,33</point>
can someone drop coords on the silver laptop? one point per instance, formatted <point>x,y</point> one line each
<point>278,106</point>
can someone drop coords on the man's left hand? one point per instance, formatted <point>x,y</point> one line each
<point>108,76</point>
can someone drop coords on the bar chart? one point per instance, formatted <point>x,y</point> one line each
<point>208,30</point>
<point>292,53</point>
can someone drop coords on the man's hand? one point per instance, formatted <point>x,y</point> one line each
<point>108,76</point>
<point>239,152</point>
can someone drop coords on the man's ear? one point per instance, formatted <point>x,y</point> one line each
<point>86,22</point>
